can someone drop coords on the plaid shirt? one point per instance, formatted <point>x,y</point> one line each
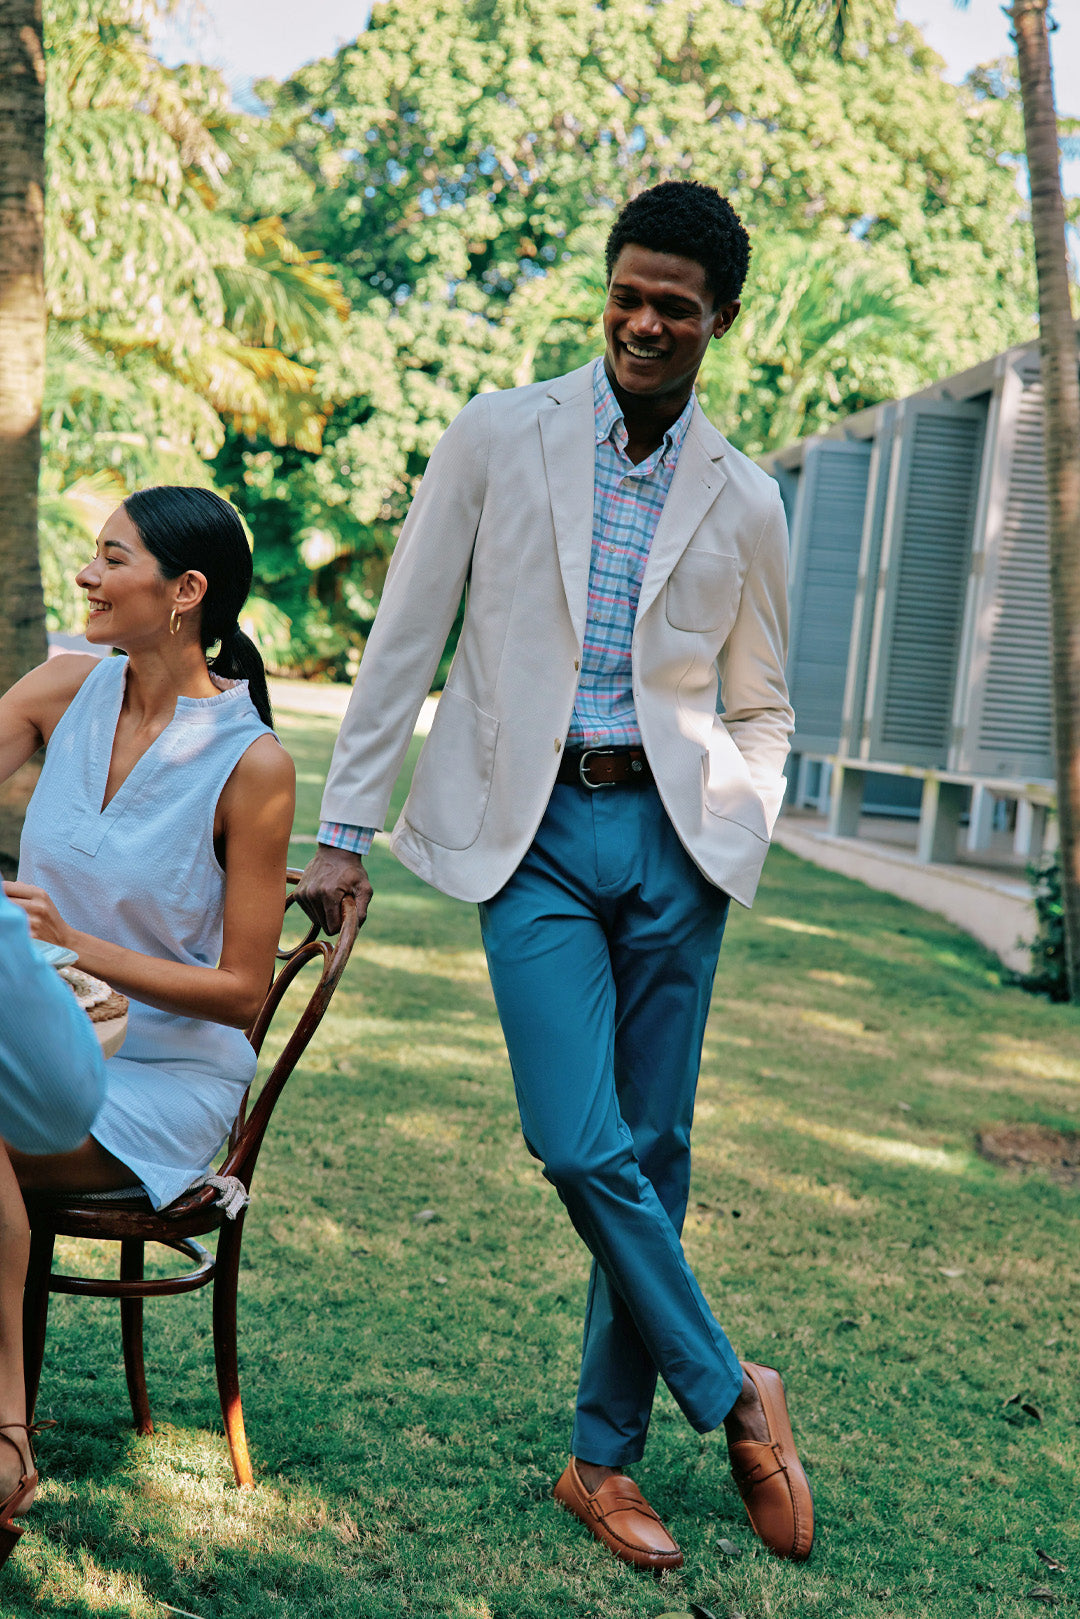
<point>627,502</point>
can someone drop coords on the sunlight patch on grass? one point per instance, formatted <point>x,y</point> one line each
<point>423,1126</point>
<point>1006,1083</point>
<point>415,1053</point>
<point>788,924</point>
<point>748,1108</point>
<point>839,980</point>
<point>1032,1059</point>
<point>887,1149</point>
<point>460,966</point>
<point>848,1028</point>
<point>725,1156</point>
<point>82,1580</point>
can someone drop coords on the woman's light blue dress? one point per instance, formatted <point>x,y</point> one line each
<point>142,873</point>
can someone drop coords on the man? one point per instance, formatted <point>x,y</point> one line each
<point>621,560</point>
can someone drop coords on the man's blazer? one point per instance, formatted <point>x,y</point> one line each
<point>504,512</point>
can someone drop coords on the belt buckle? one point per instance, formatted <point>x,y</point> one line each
<point>600,753</point>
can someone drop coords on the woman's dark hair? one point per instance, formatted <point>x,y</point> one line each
<point>184,528</point>
<point>692,220</point>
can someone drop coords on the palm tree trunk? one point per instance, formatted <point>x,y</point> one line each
<point>1058,343</point>
<point>22,347</point>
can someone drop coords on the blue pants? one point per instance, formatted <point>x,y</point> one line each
<point>602,949</point>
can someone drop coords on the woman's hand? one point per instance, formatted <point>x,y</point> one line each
<point>46,923</point>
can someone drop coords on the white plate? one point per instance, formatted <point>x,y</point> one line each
<point>54,955</point>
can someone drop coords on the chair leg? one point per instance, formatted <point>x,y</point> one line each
<point>36,1313</point>
<point>226,1278</point>
<point>131,1329</point>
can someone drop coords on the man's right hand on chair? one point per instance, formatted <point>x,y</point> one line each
<point>328,876</point>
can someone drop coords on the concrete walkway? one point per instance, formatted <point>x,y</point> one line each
<point>309,697</point>
<point>993,905</point>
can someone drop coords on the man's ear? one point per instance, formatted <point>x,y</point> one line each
<point>724,317</point>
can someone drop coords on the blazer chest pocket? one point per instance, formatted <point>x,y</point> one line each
<point>702,593</point>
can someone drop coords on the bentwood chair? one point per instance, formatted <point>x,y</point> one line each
<point>128,1217</point>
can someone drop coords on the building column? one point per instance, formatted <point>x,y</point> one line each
<point>845,801</point>
<point>943,803</point>
<point>981,819</point>
<point>1030,836</point>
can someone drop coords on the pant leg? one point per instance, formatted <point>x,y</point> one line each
<point>664,944</point>
<point>547,939</point>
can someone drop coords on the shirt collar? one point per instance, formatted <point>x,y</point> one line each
<point>609,415</point>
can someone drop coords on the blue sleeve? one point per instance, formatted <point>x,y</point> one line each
<point>52,1074</point>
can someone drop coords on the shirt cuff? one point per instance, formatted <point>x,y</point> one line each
<point>357,839</point>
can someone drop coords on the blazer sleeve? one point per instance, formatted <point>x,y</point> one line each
<point>420,599</point>
<point>753,686</point>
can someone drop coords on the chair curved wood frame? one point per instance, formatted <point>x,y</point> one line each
<point>133,1221</point>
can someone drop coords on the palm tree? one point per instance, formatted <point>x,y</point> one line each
<point>22,328</point>
<point>1061,385</point>
<point>22,344</point>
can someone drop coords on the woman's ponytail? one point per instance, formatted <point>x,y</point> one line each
<point>238,658</point>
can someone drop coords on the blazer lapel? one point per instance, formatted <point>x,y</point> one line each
<point>698,479</point>
<point>568,435</point>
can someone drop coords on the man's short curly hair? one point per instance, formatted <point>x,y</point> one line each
<point>692,220</point>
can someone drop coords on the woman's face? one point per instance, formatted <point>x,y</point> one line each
<point>128,597</point>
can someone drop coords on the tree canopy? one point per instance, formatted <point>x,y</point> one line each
<point>452,175</point>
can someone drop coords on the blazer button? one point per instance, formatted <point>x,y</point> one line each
<point>577,663</point>
<point>558,745</point>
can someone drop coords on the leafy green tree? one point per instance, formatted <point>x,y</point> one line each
<point>169,320</point>
<point>460,163</point>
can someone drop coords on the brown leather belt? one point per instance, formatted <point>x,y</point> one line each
<point>604,767</point>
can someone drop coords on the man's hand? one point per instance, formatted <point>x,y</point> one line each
<point>328,877</point>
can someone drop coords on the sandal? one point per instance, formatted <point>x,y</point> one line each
<point>18,1500</point>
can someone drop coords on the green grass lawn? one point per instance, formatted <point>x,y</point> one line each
<point>412,1300</point>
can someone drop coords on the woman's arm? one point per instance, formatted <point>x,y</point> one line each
<point>252,827</point>
<point>30,710</point>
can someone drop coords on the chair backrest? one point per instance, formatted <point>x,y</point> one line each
<point>247,1132</point>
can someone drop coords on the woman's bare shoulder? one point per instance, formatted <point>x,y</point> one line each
<point>48,689</point>
<point>264,770</point>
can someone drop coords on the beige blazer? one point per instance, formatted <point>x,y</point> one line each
<point>505,512</point>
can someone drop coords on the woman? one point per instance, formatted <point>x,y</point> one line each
<point>155,848</point>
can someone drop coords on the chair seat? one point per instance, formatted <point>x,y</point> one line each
<point>193,1214</point>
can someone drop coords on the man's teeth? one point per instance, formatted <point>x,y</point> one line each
<point>643,354</point>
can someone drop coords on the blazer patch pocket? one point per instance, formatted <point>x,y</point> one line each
<point>452,780</point>
<point>702,593</point>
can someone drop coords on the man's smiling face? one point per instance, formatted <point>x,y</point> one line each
<point>659,319</point>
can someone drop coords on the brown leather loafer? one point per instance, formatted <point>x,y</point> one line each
<point>770,1478</point>
<point>619,1515</point>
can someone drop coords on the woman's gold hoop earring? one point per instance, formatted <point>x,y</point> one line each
<point>174,621</point>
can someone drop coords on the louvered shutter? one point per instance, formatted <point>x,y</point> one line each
<point>854,728</point>
<point>937,465</point>
<point>826,538</point>
<point>1010,730</point>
